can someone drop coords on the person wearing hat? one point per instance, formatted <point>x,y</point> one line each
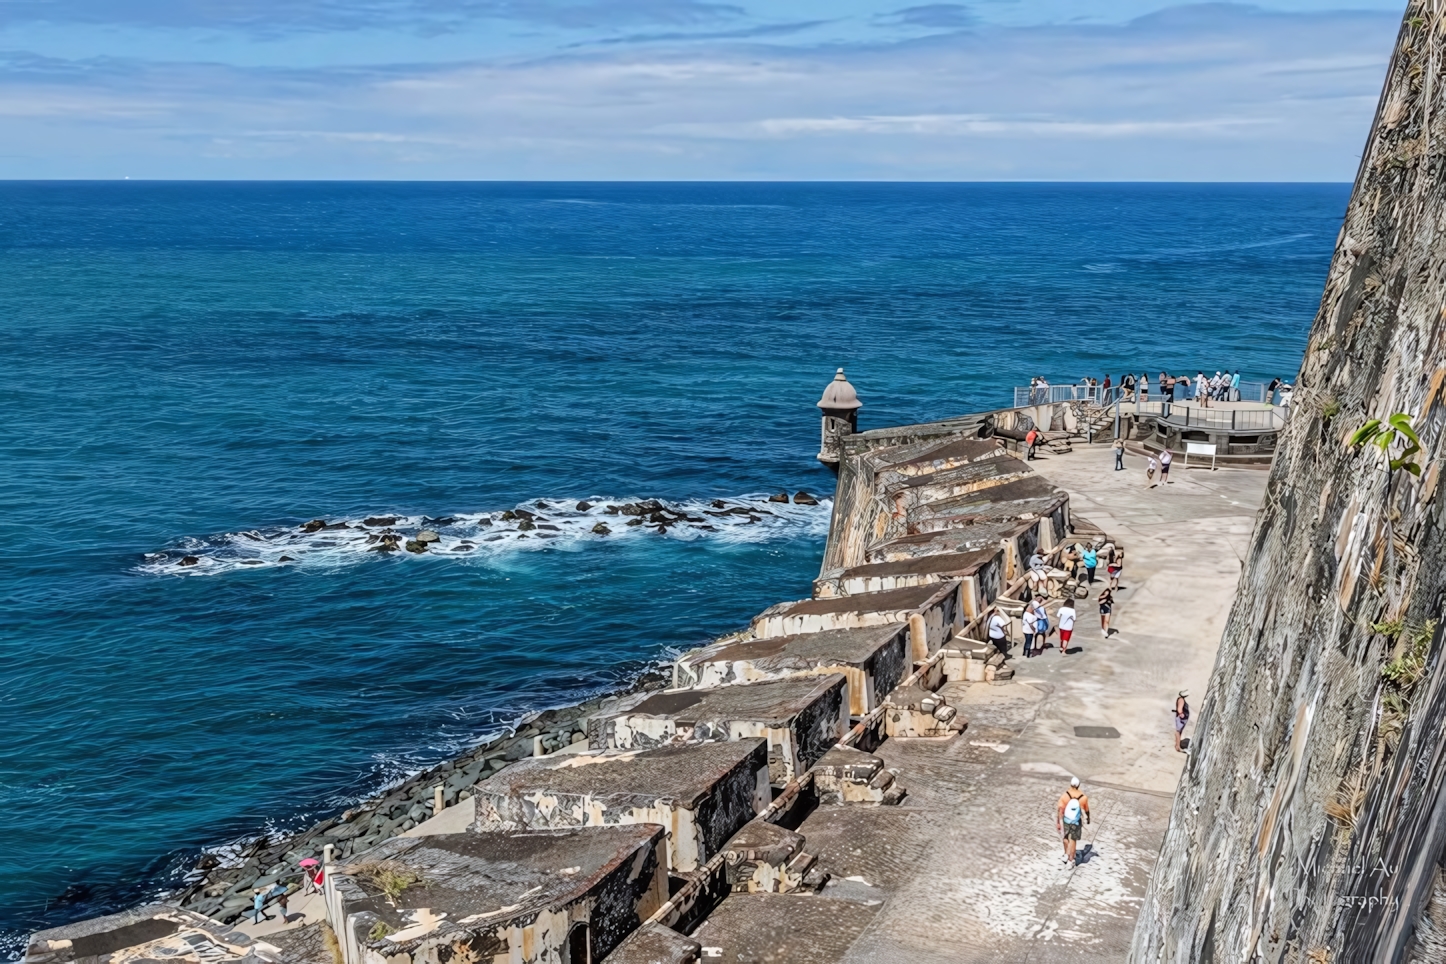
<point>1072,813</point>
<point>1182,716</point>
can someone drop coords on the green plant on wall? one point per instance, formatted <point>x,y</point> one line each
<point>1396,428</point>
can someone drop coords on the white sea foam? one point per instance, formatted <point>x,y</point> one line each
<point>555,524</point>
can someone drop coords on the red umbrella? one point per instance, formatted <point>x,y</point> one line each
<point>309,862</point>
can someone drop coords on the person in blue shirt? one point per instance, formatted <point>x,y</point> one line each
<point>1091,561</point>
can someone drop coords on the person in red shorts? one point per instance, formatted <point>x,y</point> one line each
<point>1065,620</point>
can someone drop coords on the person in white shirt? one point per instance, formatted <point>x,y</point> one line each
<point>1165,459</point>
<point>998,626</point>
<point>1065,619</point>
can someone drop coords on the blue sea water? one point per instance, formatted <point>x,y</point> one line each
<point>199,368</point>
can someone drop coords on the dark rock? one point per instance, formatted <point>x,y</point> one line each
<point>524,514</point>
<point>336,525</point>
<point>485,520</point>
<point>542,525</point>
<point>601,529</point>
<point>709,528</point>
<point>464,547</point>
<point>613,509</point>
<point>208,862</point>
<point>541,505</point>
<point>508,516</point>
<point>380,521</point>
<point>719,504</point>
<point>417,547</point>
<point>803,498</point>
<point>526,525</point>
<point>635,522</point>
<point>584,506</point>
<point>780,497</point>
<point>315,525</point>
<point>189,560</point>
<point>493,538</point>
<point>445,521</point>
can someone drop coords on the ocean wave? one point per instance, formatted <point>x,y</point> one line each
<point>528,526</point>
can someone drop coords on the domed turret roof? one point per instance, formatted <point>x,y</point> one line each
<point>840,394</point>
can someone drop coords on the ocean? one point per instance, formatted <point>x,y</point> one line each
<point>198,369</point>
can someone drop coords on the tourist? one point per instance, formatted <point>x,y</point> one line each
<point>1113,568</point>
<point>998,627</point>
<point>1119,454</point>
<point>1031,438</point>
<point>1202,390</point>
<point>1166,457</point>
<point>1072,557</point>
<point>1167,387</point>
<point>1091,562</point>
<point>1066,617</point>
<point>1027,624</point>
<point>1182,716</point>
<point>1127,384</point>
<point>1235,386</point>
<point>1107,606</point>
<point>1150,471</point>
<point>1036,624</point>
<point>1036,560</point>
<point>1105,386</point>
<point>1144,386</point>
<point>1070,816</point>
<point>1275,383</point>
<point>281,892</point>
<point>258,899</point>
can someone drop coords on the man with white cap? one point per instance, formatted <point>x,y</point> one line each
<point>1182,716</point>
<point>1070,817</point>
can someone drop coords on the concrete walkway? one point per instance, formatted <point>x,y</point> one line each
<point>970,867</point>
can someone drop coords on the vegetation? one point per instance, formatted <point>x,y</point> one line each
<point>379,930</point>
<point>388,876</point>
<point>1383,435</point>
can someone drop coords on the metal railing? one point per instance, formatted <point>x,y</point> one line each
<point>1234,419</point>
<point>1054,394</point>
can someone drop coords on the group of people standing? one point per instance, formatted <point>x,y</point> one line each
<point>1222,386</point>
<point>1080,561</point>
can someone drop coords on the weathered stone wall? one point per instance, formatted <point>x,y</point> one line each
<point>1310,818</point>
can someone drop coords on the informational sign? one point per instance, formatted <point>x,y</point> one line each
<point>1200,448</point>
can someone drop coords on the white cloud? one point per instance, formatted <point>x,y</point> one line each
<point>1206,93</point>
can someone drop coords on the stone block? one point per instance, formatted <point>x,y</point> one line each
<point>702,792</point>
<point>764,858</point>
<point>873,660</point>
<point>800,717</point>
<point>525,897</point>
<point>847,775</point>
<point>937,603</point>
<point>151,932</point>
<point>916,711</point>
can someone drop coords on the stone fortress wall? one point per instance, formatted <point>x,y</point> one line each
<point>718,773</point>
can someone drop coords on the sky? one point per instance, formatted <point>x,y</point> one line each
<point>1115,90</point>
